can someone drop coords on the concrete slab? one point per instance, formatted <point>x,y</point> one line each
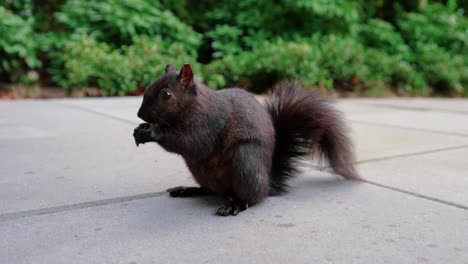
<point>125,108</point>
<point>102,199</point>
<point>441,175</point>
<point>22,132</point>
<point>445,122</point>
<point>455,105</point>
<point>54,155</point>
<point>93,156</point>
<point>321,221</point>
<point>372,142</point>
<point>375,142</point>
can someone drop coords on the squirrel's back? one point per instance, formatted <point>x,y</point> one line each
<point>249,120</point>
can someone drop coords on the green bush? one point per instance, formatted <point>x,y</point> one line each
<point>281,18</point>
<point>318,60</point>
<point>342,57</point>
<point>89,63</point>
<point>17,45</point>
<point>438,25</point>
<point>368,47</point>
<point>379,34</point>
<point>444,72</point>
<point>269,63</point>
<point>148,57</point>
<point>226,40</point>
<point>117,22</point>
<point>439,40</point>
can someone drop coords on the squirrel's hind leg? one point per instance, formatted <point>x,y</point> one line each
<point>250,179</point>
<point>182,191</point>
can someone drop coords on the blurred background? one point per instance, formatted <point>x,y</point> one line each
<point>347,47</point>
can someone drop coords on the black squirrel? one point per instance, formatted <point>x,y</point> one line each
<point>235,146</point>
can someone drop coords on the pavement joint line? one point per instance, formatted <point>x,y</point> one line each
<point>328,169</point>
<point>421,109</point>
<point>57,209</point>
<point>70,207</point>
<point>460,206</point>
<point>404,155</point>
<point>98,113</point>
<point>409,128</point>
<point>77,206</point>
<point>412,154</point>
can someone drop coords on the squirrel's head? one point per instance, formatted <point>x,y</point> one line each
<point>167,98</point>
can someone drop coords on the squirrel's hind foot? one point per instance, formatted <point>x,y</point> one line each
<point>182,191</point>
<point>232,207</point>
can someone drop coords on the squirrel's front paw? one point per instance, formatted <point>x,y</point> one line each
<point>142,134</point>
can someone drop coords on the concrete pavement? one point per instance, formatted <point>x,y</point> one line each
<point>75,189</point>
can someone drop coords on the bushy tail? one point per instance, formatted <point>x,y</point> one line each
<point>306,125</point>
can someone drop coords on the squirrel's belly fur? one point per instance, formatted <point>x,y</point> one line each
<point>211,174</point>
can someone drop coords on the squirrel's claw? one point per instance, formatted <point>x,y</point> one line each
<point>226,210</point>
<point>232,207</point>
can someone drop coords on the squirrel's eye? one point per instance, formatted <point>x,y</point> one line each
<point>166,94</point>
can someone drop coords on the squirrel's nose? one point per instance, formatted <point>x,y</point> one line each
<point>141,115</point>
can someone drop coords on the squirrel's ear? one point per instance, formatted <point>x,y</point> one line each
<point>186,76</point>
<point>169,68</point>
